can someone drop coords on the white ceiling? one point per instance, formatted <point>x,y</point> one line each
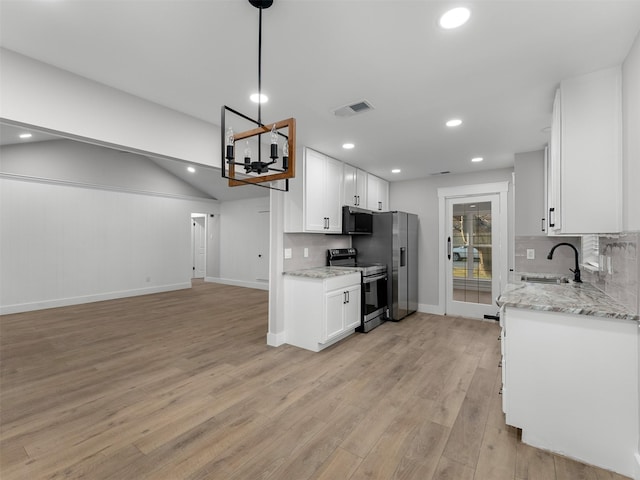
<point>497,73</point>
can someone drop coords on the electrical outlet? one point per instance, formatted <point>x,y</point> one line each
<point>531,254</point>
<point>306,252</point>
<point>287,253</point>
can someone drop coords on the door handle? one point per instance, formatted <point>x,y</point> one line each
<point>449,248</point>
<point>403,257</point>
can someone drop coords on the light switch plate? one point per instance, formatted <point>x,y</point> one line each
<point>287,253</point>
<point>306,252</point>
<point>531,254</point>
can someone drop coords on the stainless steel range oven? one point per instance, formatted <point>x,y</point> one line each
<point>374,305</point>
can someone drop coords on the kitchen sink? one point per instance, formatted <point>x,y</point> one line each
<point>547,280</point>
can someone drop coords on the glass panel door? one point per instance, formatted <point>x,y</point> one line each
<point>472,232</point>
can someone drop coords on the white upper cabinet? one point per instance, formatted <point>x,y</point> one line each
<point>321,193</point>
<point>530,218</point>
<point>355,186</point>
<point>377,194</point>
<point>584,173</point>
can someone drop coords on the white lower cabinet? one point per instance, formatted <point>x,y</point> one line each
<point>570,382</point>
<point>321,311</point>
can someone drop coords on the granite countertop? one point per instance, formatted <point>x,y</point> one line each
<point>322,272</point>
<point>576,298</point>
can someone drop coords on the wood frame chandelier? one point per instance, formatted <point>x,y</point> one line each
<point>255,171</point>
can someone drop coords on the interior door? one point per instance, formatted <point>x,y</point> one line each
<point>199,246</point>
<point>472,255</point>
<point>262,246</point>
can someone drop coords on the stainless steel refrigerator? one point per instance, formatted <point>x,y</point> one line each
<point>394,242</point>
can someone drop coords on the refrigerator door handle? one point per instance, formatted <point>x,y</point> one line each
<point>403,256</point>
<point>449,248</point>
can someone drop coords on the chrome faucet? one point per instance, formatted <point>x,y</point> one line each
<point>576,272</point>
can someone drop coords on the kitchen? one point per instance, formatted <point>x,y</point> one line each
<point>403,197</point>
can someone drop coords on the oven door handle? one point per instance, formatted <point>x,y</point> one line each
<point>374,278</point>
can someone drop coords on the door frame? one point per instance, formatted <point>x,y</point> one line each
<point>501,252</point>
<point>193,218</point>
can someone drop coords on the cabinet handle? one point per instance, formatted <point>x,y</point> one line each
<point>449,248</point>
<point>552,219</point>
<point>500,392</point>
<point>542,225</point>
<point>379,205</point>
<point>348,299</point>
<point>355,200</point>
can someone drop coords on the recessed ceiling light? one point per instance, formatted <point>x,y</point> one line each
<point>454,18</point>
<point>191,169</point>
<point>396,170</point>
<point>262,98</point>
<point>348,146</point>
<point>477,159</point>
<point>25,135</point>
<point>454,122</point>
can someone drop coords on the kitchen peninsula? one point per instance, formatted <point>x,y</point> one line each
<point>570,372</point>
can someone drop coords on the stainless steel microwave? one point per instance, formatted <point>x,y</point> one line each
<point>356,221</point>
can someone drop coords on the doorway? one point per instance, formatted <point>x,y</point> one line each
<point>198,245</point>
<point>474,248</point>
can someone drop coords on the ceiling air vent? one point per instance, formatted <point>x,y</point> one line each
<point>353,109</point>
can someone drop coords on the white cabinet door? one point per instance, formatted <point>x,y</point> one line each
<point>350,185</point>
<point>377,193</point>
<point>333,195</point>
<point>530,218</point>
<point>585,160</point>
<point>355,187</point>
<point>323,193</point>
<point>352,309</point>
<point>334,315</point>
<point>315,216</point>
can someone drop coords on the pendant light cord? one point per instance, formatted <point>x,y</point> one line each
<point>259,82</point>
<point>260,68</point>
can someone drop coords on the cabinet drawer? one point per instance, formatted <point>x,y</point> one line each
<point>343,281</point>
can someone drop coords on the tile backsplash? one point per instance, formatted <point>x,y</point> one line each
<point>619,275</point>
<point>563,257</point>
<point>317,245</point>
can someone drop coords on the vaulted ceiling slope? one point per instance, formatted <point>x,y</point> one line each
<point>497,73</point>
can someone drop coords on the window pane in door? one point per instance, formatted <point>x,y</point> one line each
<point>472,252</point>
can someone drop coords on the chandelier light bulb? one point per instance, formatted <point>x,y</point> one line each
<point>285,154</point>
<point>247,153</point>
<point>230,143</point>
<point>274,143</point>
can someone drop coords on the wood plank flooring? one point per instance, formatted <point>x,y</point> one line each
<point>182,385</point>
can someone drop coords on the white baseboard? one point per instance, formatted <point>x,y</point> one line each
<point>275,339</point>
<point>98,297</point>
<point>238,283</point>
<point>432,309</point>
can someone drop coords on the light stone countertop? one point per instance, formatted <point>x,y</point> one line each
<point>322,272</point>
<point>576,298</point>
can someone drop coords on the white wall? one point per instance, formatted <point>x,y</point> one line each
<point>241,241</point>
<point>631,137</point>
<point>63,244</point>
<point>421,197</point>
<point>38,94</point>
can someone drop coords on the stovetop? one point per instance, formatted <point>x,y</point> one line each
<point>348,258</point>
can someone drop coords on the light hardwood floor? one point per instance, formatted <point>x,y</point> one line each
<point>181,385</point>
